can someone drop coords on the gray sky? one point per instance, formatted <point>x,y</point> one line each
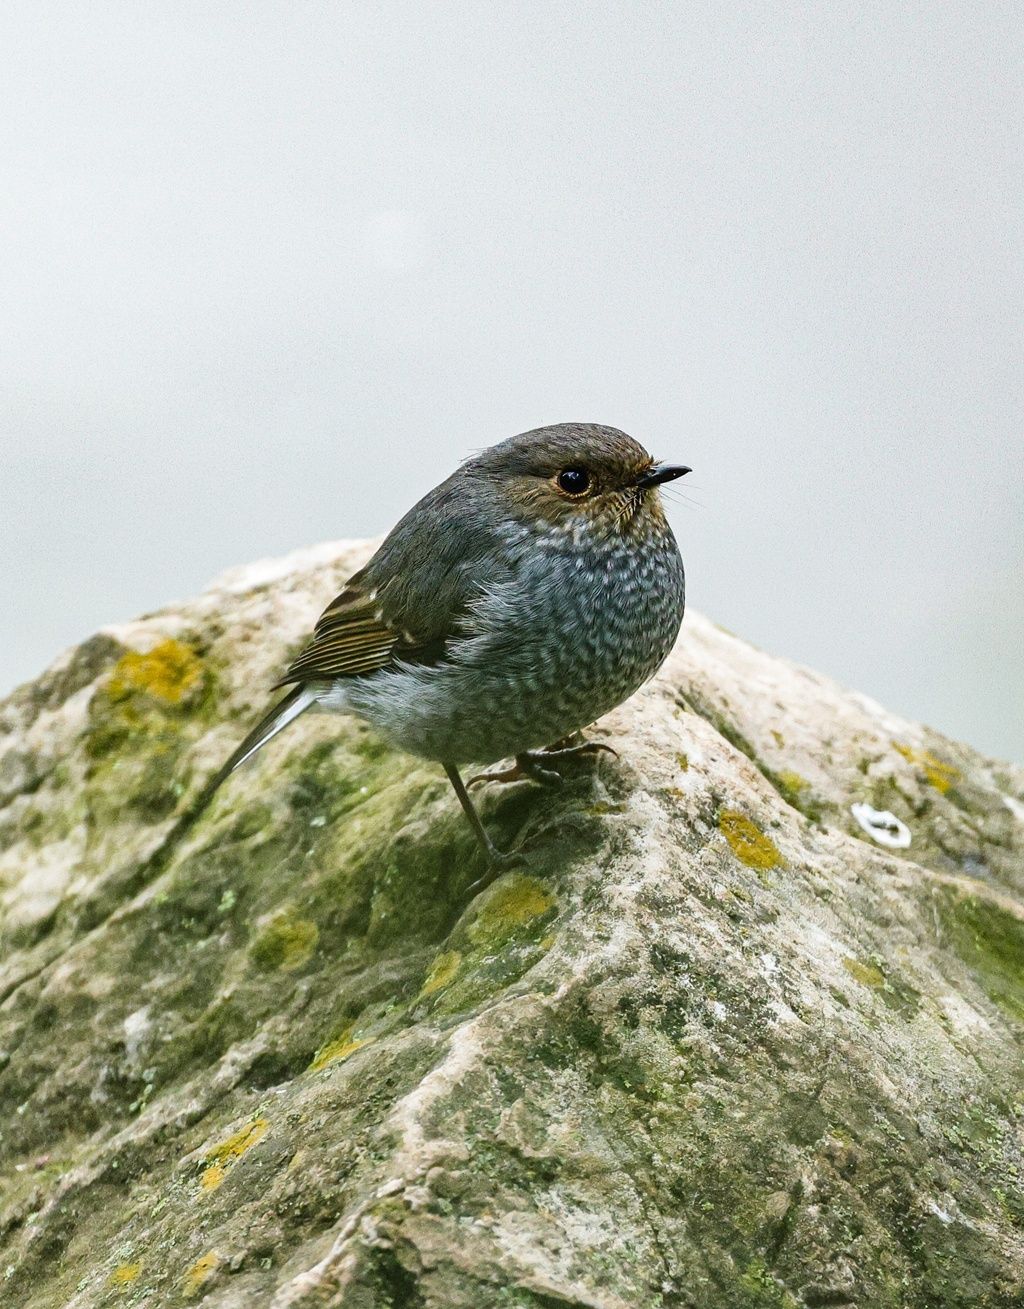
<point>268,270</point>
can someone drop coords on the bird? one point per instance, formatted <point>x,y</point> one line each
<point>529,593</point>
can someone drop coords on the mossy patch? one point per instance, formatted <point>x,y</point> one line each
<point>167,673</point>
<point>142,720</point>
<point>513,904</point>
<point>222,1157</point>
<point>893,991</point>
<point>442,973</point>
<point>990,942</point>
<point>507,934</point>
<point>339,1049</point>
<point>748,843</point>
<point>937,773</point>
<point>793,788</point>
<point>866,974</point>
<point>126,1274</point>
<point>761,1290</point>
<point>200,1273</point>
<point>286,943</point>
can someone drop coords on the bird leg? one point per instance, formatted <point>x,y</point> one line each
<point>499,859</point>
<point>529,766</point>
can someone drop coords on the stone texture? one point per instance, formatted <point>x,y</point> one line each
<point>712,1048</point>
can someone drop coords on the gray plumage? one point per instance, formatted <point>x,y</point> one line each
<point>503,612</point>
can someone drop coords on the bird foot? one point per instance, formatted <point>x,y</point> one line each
<point>525,769</point>
<point>562,751</point>
<point>530,765</point>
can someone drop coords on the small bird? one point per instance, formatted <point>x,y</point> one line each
<point>529,593</point>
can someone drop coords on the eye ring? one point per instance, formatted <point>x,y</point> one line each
<point>574,481</point>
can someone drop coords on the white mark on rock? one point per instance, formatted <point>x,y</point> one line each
<point>1015,807</point>
<point>882,826</point>
<point>136,1025</point>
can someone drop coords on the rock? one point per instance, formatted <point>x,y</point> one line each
<point>714,1047</point>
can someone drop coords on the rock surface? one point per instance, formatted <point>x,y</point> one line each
<point>714,1047</point>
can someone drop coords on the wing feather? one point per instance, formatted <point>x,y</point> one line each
<point>351,637</point>
<point>418,590</point>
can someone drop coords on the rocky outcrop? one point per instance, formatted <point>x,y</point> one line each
<point>717,1045</point>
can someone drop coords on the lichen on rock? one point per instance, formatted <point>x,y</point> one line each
<point>713,1048</point>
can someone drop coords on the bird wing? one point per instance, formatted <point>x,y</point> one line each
<point>415,594</point>
<point>351,637</point>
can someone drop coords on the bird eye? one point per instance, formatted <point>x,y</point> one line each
<point>573,481</point>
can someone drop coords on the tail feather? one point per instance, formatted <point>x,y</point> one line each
<point>296,702</point>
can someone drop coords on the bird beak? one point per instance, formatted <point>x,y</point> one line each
<point>661,473</point>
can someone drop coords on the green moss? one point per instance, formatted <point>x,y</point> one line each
<point>990,942</point>
<point>893,991</point>
<point>339,1049</point>
<point>442,973</point>
<point>759,1288</point>
<point>514,907</point>
<point>505,936</point>
<point>936,772</point>
<point>142,721</point>
<point>866,974</point>
<point>286,943</point>
<point>796,791</point>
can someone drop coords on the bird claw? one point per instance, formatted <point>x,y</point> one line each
<point>525,769</point>
<point>529,766</point>
<point>560,751</point>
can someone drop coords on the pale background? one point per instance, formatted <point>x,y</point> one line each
<point>268,270</point>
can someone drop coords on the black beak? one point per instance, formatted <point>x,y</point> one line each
<point>662,473</point>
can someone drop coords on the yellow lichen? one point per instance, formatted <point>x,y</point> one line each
<point>793,782</point>
<point>749,844</point>
<point>167,672</point>
<point>340,1048</point>
<point>511,904</point>
<point>201,1271</point>
<point>223,1156</point>
<point>867,974</point>
<point>683,762</point>
<point>126,1274</point>
<point>286,943</point>
<point>941,775</point>
<point>442,973</point>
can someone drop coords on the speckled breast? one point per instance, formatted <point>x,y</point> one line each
<point>575,633</point>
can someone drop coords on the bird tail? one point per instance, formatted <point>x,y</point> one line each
<point>296,702</point>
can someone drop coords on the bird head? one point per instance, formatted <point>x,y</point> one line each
<point>580,474</point>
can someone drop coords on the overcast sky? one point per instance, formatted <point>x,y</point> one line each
<point>269,270</point>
